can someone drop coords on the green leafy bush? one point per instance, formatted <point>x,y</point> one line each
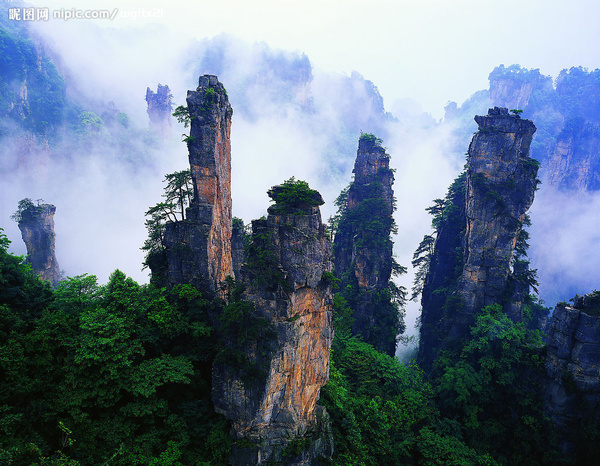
<point>293,197</point>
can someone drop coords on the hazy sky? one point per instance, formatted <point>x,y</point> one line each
<point>431,51</point>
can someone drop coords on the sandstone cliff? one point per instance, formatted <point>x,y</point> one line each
<point>268,385</point>
<point>572,392</point>
<point>159,110</point>
<point>363,248</point>
<point>198,249</point>
<point>499,188</point>
<point>36,223</point>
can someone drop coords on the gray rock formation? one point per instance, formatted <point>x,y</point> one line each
<point>36,223</point>
<point>501,183</point>
<point>160,110</point>
<point>572,392</point>
<point>198,249</point>
<point>500,187</point>
<point>271,395</point>
<point>363,248</point>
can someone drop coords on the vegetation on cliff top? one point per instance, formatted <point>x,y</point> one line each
<point>178,194</point>
<point>27,209</point>
<point>293,197</point>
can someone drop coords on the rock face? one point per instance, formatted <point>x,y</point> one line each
<point>37,230</point>
<point>159,110</point>
<point>569,118</point>
<point>572,392</point>
<point>574,163</point>
<point>516,87</point>
<point>363,253</point>
<point>501,182</point>
<point>237,247</point>
<point>198,249</point>
<point>276,409</point>
<point>500,187</point>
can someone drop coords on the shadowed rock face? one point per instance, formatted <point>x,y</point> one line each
<point>574,164</point>
<point>279,405</point>
<point>500,187</point>
<point>501,182</point>
<point>160,109</point>
<point>198,249</point>
<point>37,230</point>
<point>568,116</point>
<point>572,392</point>
<point>367,262</point>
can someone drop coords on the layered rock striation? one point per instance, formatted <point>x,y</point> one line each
<point>198,249</point>
<point>499,188</point>
<point>159,110</point>
<point>363,248</point>
<point>36,223</point>
<point>270,391</point>
<point>572,391</point>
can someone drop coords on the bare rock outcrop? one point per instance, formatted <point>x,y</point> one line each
<point>572,392</point>
<point>159,110</point>
<point>198,249</point>
<point>501,183</point>
<point>499,189</point>
<point>270,394</point>
<point>36,223</point>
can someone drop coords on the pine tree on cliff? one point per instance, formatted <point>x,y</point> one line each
<point>190,232</point>
<point>363,248</point>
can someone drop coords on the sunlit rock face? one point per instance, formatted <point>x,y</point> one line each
<point>276,409</point>
<point>37,230</point>
<point>198,249</point>
<point>572,392</point>
<point>160,110</point>
<point>500,187</point>
<point>368,263</point>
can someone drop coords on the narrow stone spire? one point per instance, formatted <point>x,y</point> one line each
<point>36,223</point>
<point>199,248</point>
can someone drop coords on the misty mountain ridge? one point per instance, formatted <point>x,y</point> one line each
<point>326,112</point>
